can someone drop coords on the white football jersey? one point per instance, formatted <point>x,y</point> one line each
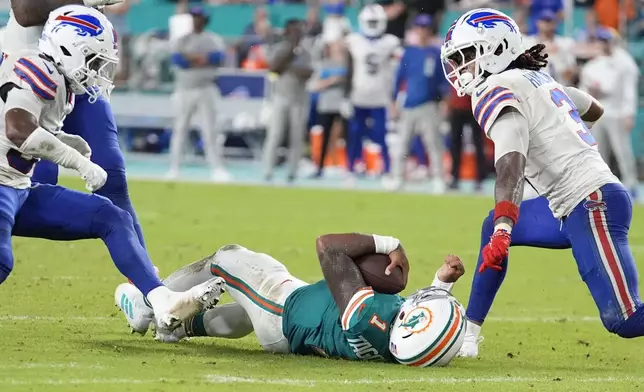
<point>18,38</point>
<point>561,55</point>
<point>563,163</point>
<point>51,98</point>
<point>373,69</point>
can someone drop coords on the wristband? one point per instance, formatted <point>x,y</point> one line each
<point>503,227</point>
<point>506,209</point>
<point>442,285</point>
<point>385,245</point>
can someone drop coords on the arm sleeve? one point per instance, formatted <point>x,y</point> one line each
<point>19,98</point>
<point>218,53</point>
<point>488,104</point>
<point>510,132</point>
<point>178,58</point>
<point>442,285</point>
<point>581,99</point>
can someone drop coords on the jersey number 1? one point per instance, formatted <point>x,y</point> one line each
<point>378,323</point>
<point>559,98</point>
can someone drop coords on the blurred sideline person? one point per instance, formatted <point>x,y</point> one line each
<point>420,69</point>
<point>291,61</point>
<point>328,81</point>
<point>196,57</point>
<point>460,115</point>
<point>561,54</point>
<point>369,82</point>
<point>612,78</point>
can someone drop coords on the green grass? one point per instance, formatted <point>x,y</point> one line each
<point>72,337</point>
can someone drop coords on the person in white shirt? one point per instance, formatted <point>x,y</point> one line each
<point>561,54</point>
<point>612,79</point>
<point>369,83</point>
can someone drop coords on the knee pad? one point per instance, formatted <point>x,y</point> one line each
<point>108,218</point>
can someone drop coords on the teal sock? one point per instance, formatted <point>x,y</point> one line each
<point>195,326</point>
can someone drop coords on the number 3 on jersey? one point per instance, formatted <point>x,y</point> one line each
<point>559,98</point>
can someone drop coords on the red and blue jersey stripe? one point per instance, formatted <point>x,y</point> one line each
<point>490,102</point>
<point>41,84</point>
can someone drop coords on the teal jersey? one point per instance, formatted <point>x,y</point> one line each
<point>313,325</point>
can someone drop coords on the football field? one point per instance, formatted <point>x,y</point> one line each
<point>60,330</point>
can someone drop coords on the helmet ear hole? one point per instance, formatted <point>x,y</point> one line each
<point>65,51</point>
<point>499,50</point>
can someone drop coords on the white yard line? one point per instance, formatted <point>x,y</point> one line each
<point>85,381</point>
<point>527,319</point>
<point>425,380</point>
<point>38,365</point>
<point>223,379</point>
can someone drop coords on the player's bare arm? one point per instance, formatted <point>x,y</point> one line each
<point>35,12</point>
<point>510,163</point>
<point>20,124</point>
<point>509,182</point>
<point>451,270</point>
<point>336,253</point>
<point>22,110</point>
<point>589,108</point>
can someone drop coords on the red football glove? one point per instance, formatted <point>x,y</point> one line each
<point>495,251</point>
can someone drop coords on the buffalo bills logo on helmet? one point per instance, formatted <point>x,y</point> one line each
<point>595,205</point>
<point>116,39</point>
<point>84,24</point>
<point>489,20</point>
<point>448,36</point>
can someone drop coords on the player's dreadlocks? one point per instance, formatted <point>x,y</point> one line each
<point>532,59</point>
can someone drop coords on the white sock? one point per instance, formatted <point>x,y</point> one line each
<point>158,297</point>
<point>228,321</point>
<point>472,329</point>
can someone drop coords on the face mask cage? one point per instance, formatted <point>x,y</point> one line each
<point>462,67</point>
<point>96,76</point>
<point>427,294</point>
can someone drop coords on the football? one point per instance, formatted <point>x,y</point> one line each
<point>373,267</point>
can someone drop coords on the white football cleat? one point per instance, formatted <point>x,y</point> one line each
<point>165,335</point>
<point>183,305</point>
<point>131,302</point>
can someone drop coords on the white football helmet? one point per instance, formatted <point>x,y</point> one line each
<point>429,329</point>
<point>83,45</point>
<point>372,20</point>
<point>481,42</point>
